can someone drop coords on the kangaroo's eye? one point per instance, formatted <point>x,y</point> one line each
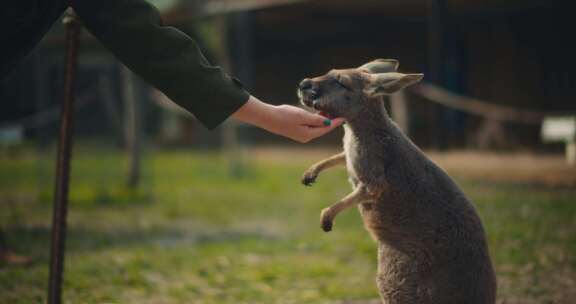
<point>339,82</point>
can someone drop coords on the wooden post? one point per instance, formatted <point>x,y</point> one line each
<point>561,129</point>
<point>60,209</point>
<point>399,111</point>
<point>230,143</point>
<point>436,33</point>
<point>132,132</point>
<point>40,101</point>
<point>571,153</point>
<point>436,37</point>
<point>110,104</point>
<point>239,37</point>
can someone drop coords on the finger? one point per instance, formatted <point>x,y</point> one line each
<point>336,122</point>
<point>313,120</point>
<point>314,132</point>
<point>330,123</point>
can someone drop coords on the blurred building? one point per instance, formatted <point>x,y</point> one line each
<point>512,52</point>
<point>516,53</point>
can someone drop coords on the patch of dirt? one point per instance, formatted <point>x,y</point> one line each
<point>524,168</point>
<point>375,301</point>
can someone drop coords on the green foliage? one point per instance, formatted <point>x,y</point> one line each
<point>192,234</point>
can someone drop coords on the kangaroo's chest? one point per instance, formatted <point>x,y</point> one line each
<point>363,161</point>
<point>351,150</point>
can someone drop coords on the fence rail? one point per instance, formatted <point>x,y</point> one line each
<point>480,107</point>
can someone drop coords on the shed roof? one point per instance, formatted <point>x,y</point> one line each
<point>186,9</point>
<point>214,7</point>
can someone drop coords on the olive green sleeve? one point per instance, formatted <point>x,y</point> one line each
<point>164,56</point>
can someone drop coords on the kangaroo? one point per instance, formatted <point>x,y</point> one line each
<point>431,244</point>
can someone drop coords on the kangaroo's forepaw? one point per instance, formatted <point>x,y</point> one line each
<point>309,178</point>
<point>327,226</point>
<point>326,221</point>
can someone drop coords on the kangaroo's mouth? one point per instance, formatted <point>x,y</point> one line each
<point>314,103</point>
<point>326,114</point>
<point>320,109</point>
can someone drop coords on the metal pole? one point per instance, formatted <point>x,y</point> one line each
<point>60,208</point>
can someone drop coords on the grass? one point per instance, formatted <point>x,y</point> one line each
<point>193,234</point>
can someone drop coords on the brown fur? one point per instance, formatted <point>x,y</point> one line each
<point>431,243</point>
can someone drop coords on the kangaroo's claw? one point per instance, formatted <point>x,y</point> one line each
<point>326,220</point>
<point>327,226</point>
<point>309,178</point>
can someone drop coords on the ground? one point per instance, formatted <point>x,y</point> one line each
<point>193,233</point>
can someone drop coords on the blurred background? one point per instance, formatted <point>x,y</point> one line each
<point>164,211</point>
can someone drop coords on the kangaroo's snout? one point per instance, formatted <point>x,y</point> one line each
<point>308,93</point>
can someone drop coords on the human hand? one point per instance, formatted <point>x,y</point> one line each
<point>299,124</point>
<point>286,120</point>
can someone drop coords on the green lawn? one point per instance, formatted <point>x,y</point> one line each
<point>193,234</point>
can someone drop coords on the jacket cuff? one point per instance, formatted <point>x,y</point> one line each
<point>224,101</point>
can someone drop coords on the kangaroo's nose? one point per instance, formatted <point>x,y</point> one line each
<point>306,84</point>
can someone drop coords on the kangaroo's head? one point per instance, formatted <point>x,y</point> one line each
<point>345,93</point>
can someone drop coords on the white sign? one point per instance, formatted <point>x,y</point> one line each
<point>556,129</point>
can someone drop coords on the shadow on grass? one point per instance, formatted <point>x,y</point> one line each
<point>35,241</point>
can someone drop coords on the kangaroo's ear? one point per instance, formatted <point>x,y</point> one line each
<point>381,66</point>
<point>388,83</point>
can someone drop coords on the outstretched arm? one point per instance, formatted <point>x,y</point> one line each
<point>164,56</point>
<point>172,62</point>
